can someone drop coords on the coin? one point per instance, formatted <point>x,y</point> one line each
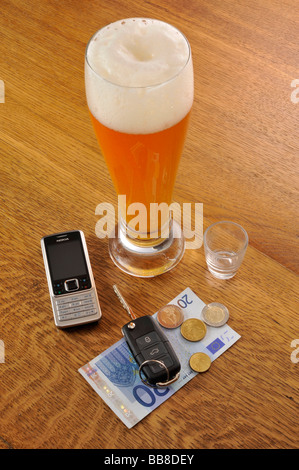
<point>215,314</point>
<point>200,362</point>
<point>170,316</point>
<point>193,329</point>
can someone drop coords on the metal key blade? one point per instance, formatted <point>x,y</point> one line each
<point>125,305</point>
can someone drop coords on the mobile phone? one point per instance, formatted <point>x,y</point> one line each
<point>71,283</point>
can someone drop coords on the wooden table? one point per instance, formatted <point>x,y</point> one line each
<point>240,161</point>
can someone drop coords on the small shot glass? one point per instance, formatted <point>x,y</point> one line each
<point>225,244</point>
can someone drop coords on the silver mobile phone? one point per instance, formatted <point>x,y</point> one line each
<point>71,283</point>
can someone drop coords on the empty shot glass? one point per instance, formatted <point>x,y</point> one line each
<point>225,244</point>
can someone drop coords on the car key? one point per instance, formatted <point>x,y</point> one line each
<point>150,348</point>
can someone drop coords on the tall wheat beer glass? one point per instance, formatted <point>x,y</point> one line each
<point>139,88</point>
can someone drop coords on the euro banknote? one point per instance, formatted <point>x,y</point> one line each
<point>114,374</point>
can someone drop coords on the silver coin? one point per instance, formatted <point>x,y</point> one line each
<point>215,314</point>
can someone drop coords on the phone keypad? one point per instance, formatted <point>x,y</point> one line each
<point>76,306</point>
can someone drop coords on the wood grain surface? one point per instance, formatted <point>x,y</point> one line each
<point>240,161</point>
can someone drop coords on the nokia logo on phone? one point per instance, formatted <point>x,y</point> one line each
<point>62,239</point>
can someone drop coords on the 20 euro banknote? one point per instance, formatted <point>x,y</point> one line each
<point>114,375</point>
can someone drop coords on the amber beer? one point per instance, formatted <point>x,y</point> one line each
<point>143,166</point>
<point>139,89</point>
<point>140,114</point>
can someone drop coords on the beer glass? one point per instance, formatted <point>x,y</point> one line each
<point>139,89</point>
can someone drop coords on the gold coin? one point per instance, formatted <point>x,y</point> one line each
<point>200,362</point>
<point>170,316</point>
<point>215,314</point>
<point>193,329</point>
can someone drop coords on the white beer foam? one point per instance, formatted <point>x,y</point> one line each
<point>139,76</point>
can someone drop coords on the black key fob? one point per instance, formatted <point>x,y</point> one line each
<point>152,351</point>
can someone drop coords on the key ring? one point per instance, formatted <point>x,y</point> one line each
<point>158,384</point>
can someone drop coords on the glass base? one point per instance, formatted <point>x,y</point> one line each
<point>148,259</point>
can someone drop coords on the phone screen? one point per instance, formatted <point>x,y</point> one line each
<point>66,260</point>
<point>66,257</point>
